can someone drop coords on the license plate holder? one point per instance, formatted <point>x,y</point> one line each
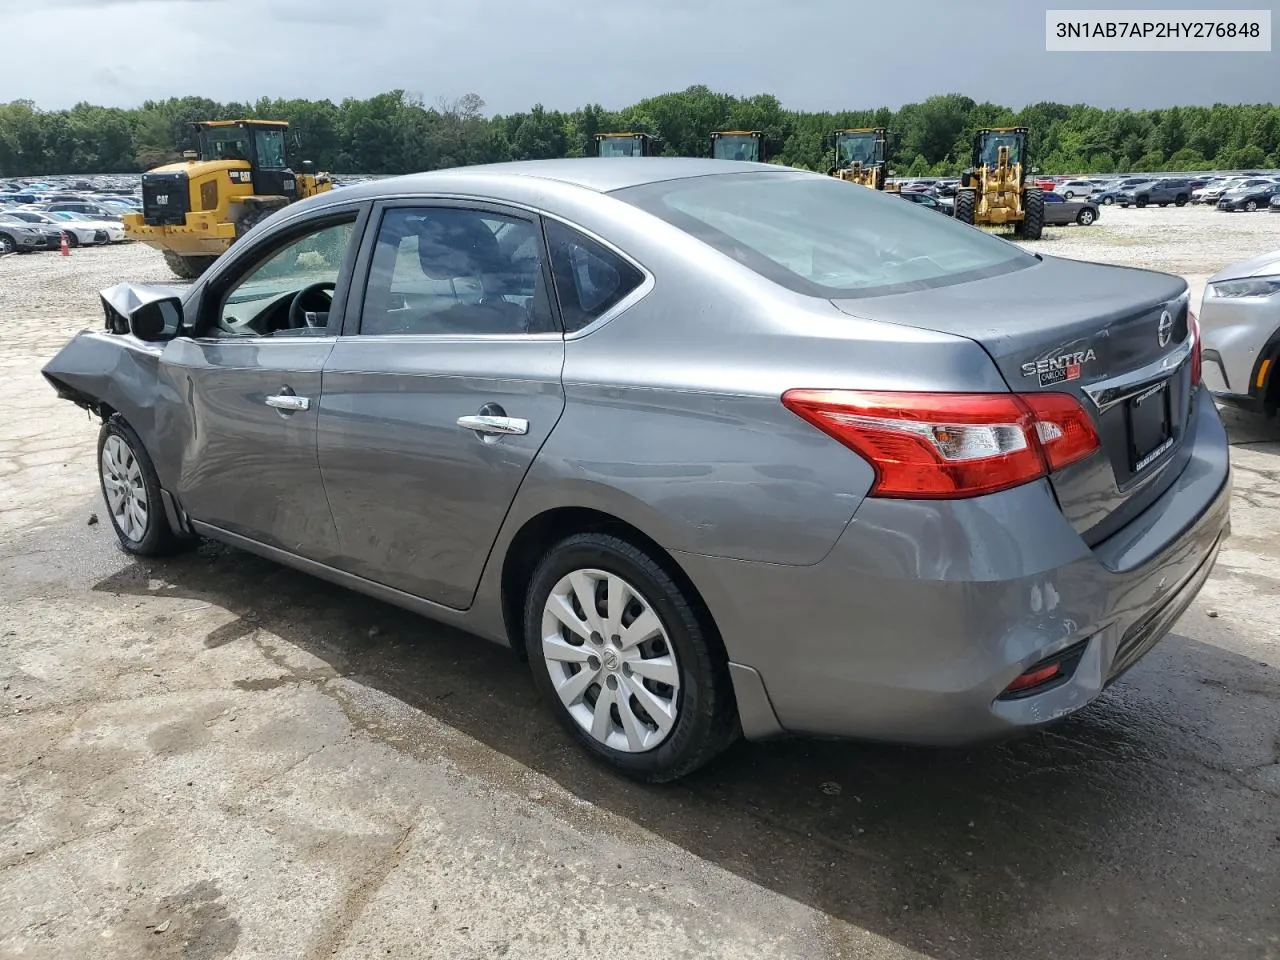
<point>1150,433</point>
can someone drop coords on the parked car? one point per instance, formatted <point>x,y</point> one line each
<point>105,231</point>
<point>1214,193</point>
<point>902,476</point>
<point>1160,192</point>
<point>926,200</point>
<point>1107,196</point>
<point>78,234</point>
<point>1059,211</point>
<point>81,206</point>
<point>18,236</point>
<point>1249,199</point>
<point>1274,206</point>
<point>1209,192</point>
<point>1070,189</point>
<point>1240,320</point>
<point>1046,183</point>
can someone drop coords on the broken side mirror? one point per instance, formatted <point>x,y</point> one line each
<point>157,321</point>
<point>152,314</point>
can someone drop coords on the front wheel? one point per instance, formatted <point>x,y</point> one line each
<point>7,244</point>
<point>626,659</point>
<point>1250,206</point>
<point>132,492</point>
<point>1032,225</point>
<point>1140,202</point>
<point>965,205</point>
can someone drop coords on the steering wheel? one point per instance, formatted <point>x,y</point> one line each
<point>298,309</point>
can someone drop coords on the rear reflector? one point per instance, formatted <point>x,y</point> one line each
<point>1034,678</point>
<point>950,445</point>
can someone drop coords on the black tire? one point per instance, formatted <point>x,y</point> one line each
<point>1140,202</point>
<point>706,716</point>
<point>1032,225</point>
<point>7,244</point>
<point>966,204</point>
<point>157,538</point>
<point>251,220</point>
<point>1163,205</point>
<point>1250,206</point>
<point>72,240</point>
<point>187,268</point>
<point>1069,195</point>
<point>1086,217</point>
<point>1108,200</point>
<point>1181,201</point>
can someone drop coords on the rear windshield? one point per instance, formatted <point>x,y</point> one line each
<point>825,237</point>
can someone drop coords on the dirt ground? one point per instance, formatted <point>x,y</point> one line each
<point>213,757</point>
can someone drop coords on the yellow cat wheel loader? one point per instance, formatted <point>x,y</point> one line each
<point>194,210</point>
<point>860,156</point>
<point>993,191</point>
<point>625,145</point>
<point>749,145</point>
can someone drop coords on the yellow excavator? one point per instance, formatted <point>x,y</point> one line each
<point>625,145</point>
<point>194,210</point>
<point>993,191</point>
<point>861,156</point>
<point>749,145</point>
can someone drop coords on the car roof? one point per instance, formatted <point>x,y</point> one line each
<point>601,174</point>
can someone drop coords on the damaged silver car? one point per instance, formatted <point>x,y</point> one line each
<point>723,448</point>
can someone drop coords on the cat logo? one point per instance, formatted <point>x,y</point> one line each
<point>162,199</point>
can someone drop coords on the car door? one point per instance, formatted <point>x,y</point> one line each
<point>247,385</point>
<point>439,393</point>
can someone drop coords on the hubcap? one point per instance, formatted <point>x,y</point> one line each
<point>125,491</point>
<point>610,660</point>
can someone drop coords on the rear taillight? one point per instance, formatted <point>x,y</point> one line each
<point>949,445</point>
<point>1193,331</point>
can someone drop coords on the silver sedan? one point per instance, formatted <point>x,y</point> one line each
<point>722,448</point>
<point>1240,314</point>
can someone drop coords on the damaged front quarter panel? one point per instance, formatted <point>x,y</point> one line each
<point>110,371</point>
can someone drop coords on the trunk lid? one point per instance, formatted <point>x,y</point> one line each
<point>1097,332</point>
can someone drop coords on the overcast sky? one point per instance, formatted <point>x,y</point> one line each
<point>813,54</point>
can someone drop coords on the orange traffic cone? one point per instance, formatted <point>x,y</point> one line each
<point>66,247</point>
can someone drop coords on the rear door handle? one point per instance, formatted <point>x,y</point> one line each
<point>504,426</point>
<point>288,402</point>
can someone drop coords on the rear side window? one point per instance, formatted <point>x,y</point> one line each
<point>590,278</point>
<point>822,237</point>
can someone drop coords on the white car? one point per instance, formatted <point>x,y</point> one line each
<point>77,234</point>
<point>114,229</point>
<point>1211,191</point>
<point>1070,189</point>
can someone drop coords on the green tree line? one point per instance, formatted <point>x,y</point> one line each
<point>397,132</point>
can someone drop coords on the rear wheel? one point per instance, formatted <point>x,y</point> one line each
<point>1181,201</point>
<point>1086,217</point>
<point>966,203</point>
<point>1108,200</point>
<point>625,660</point>
<point>188,268</point>
<point>1032,226</point>
<point>72,239</point>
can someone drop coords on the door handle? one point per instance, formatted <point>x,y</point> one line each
<point>503,426</point>
<point>288,402</point>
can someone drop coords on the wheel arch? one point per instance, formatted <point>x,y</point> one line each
<point>545,529</point>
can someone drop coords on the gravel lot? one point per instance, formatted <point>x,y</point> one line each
<point>215,757</point>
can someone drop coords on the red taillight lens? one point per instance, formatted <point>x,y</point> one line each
<point>1193,331</point>
<point>949,445</point>
<point>1034,678</point>
<point>1065,432</point>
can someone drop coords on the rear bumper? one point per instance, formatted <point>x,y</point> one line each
<point>923,612</point>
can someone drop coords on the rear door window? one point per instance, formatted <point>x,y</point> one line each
<point>449,271</point>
